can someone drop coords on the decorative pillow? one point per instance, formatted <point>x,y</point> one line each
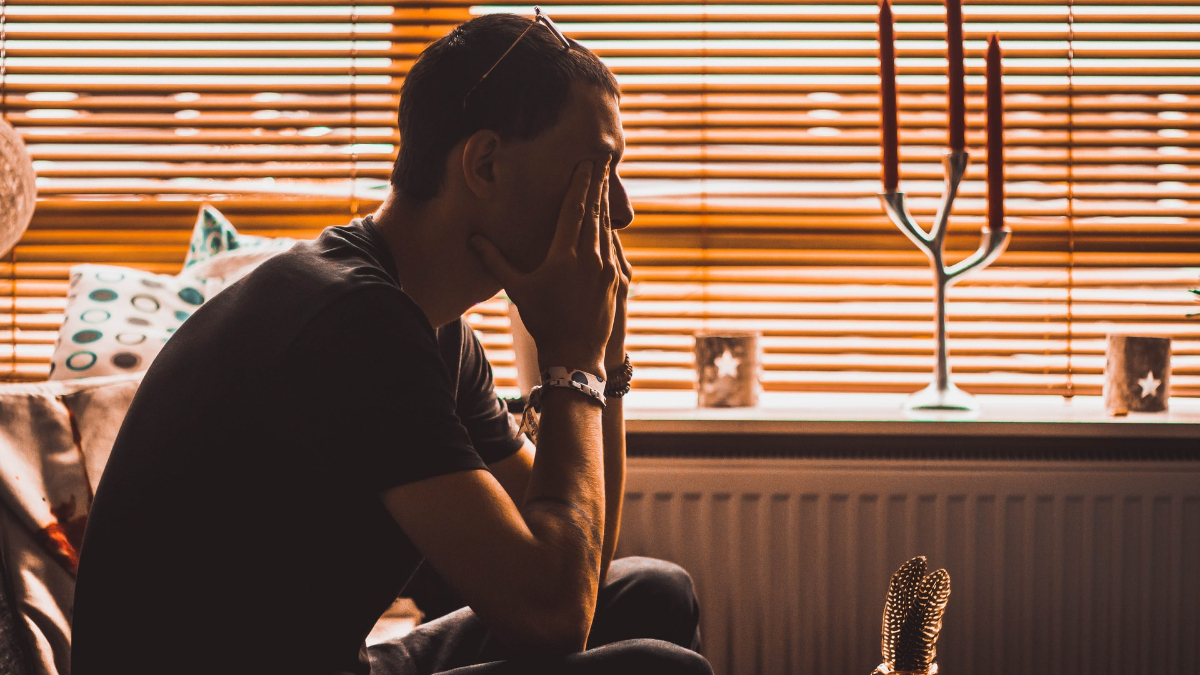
<point>219,255</point>
<point>214,235</point>
<point>118,318</point>
<point>220,271</point>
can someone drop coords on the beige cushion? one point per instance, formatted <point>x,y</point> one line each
<point>43,594</point>
<point>54,440</point>
<point>98,410</point>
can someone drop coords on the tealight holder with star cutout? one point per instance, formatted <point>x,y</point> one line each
<point>1137,374</point>
<point>727,368</point>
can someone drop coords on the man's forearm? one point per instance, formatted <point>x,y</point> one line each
<point>614,478</point>
<point>564,503</point>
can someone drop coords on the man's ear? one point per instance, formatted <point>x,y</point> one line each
<point>479,162</point>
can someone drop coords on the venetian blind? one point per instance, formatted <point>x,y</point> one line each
<point>280,113</point>
<point>752,160</point>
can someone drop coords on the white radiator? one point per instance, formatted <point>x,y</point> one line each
<point>1058,567</point>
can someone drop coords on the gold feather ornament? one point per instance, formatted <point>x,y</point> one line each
<point>912,619</point>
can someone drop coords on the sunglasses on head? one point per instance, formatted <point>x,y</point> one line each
<point>538,17</point>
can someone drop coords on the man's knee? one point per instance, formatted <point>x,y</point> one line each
<point>656,656</point>
<point>647,598</point>
<point>656,581</point>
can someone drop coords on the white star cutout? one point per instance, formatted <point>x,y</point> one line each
<point>1149,384</point>
<point>727,364</point>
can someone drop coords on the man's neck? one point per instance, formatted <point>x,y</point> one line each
<point>436,270</point>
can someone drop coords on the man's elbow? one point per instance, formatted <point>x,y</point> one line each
<point>548,633</point>
<point>567,637</point>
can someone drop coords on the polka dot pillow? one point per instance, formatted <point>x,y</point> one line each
<point>118,318</point>
<point>214,235</point>
<point>220,255</point>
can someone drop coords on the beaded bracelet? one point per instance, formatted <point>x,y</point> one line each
<point>618,385</point>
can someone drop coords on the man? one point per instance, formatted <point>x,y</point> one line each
<point>313,432</point>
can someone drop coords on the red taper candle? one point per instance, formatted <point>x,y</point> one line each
<point>956,93</point>
<point>889,124</point>
<point>995,136</point>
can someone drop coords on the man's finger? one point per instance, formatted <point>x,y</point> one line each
<point>571,214</point>
<point>605,233</point>
<point>589,232</point>
<point>626,268</point>
<point>494,261</point>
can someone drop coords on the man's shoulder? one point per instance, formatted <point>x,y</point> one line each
<point>320,289</point>
<point>369,311</point>
<point>338,261</point>
<point>345,267</point>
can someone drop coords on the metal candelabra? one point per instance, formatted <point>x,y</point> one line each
<point>941,394</point>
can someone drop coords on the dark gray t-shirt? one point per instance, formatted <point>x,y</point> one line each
<point>238,525</point>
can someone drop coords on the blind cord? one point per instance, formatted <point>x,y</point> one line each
<point>12,255</point>
<point>354,109</point>
<point>1070,199</point>
<point>4,59</point>
<point>704,139</point>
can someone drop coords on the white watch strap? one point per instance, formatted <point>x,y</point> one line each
<point>564,378</point>
<point>579,380</point>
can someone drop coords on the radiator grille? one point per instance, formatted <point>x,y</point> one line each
<point>1056,567</point>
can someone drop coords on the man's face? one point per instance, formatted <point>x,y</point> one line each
<point>540,172</point>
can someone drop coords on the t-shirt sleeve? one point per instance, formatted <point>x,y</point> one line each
<point>494,432</point>
<point>380,405</point>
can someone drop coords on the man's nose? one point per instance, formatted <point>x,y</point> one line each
<point>620,209</point>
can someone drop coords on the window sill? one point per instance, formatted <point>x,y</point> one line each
<point>841,414</point>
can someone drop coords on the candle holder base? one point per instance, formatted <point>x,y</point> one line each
<point>944,396</point>
<point>949,399</point>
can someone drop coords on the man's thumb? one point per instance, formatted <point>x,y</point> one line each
<point>493,260</point>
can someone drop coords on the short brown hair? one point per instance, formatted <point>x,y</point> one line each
<point>523,97</point>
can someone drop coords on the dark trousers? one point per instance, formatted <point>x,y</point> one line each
<point>647,621</point>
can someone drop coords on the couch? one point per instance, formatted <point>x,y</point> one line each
<point>55,438</point>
